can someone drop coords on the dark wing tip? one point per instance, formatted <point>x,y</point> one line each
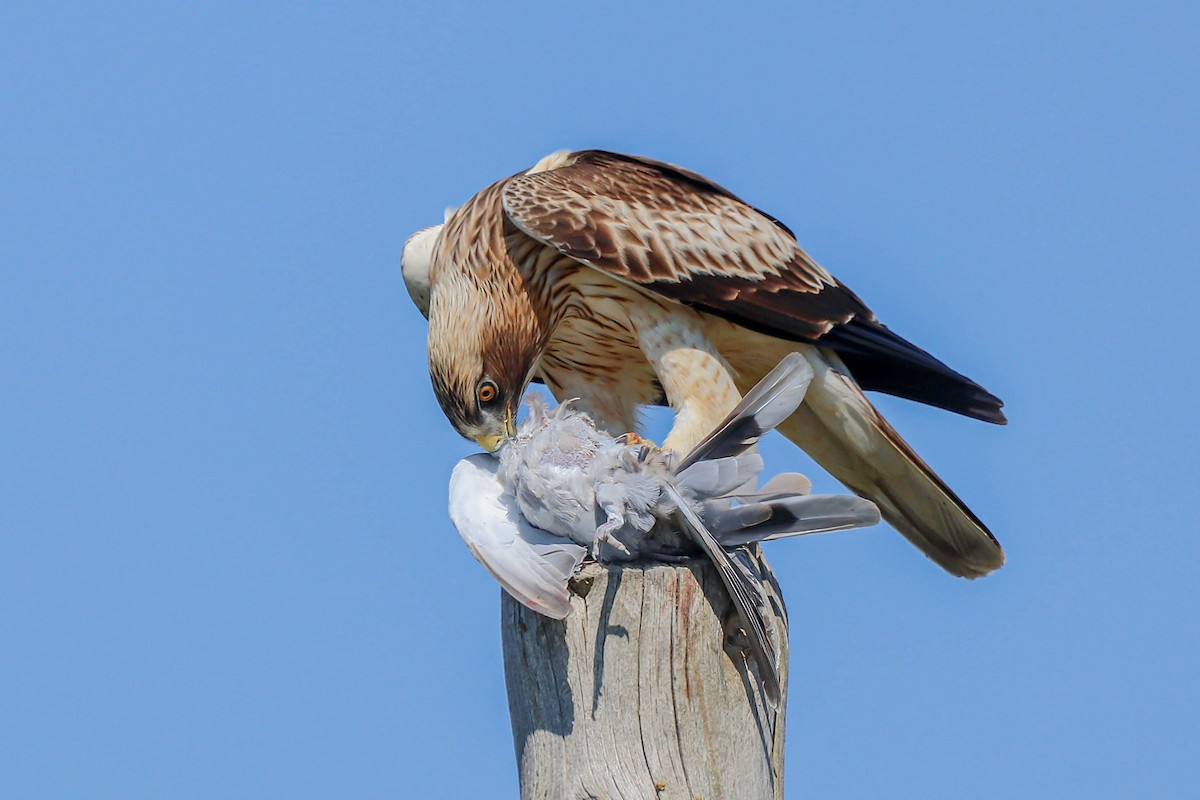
<point>990,412</point>
<point>883,361</point>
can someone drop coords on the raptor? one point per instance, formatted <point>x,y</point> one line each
<point>624,281</point>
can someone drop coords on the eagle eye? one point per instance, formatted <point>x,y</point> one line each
<point>487,392</point>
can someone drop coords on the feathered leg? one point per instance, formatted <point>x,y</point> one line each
<point>697,381</point>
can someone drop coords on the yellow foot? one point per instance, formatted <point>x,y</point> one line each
<point>633,438</point>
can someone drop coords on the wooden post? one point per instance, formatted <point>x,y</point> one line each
<point>643,691</point>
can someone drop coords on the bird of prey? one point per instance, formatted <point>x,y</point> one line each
<point>625,281</point>
<point>561,488</point>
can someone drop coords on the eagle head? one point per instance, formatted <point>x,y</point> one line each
<point>484,343</point>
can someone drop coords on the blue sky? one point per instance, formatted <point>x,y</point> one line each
<point>225,564</point>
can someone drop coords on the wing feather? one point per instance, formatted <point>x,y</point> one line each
<point>688,239</point>
<point>532,565</point>
<point>680,234</point>
<point>744,590</point>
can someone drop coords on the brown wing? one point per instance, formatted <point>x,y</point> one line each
<point>682,236</point>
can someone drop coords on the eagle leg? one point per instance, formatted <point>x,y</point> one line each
<point>698,382</point>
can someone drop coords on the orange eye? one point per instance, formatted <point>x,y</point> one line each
<point>487,392</point>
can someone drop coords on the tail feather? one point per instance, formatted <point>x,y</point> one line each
<point>844,433</point>
<point>762,519</point>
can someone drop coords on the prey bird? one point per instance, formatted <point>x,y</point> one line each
<point>561,488</point>
<point>624,281</point>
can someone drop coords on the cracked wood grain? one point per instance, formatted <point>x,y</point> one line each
<point>644,692</point>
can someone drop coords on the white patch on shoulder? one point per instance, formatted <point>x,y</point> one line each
<point>415,261</point>
<point>557,159</point>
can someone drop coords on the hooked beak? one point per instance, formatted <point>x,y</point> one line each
<point>491,442</point>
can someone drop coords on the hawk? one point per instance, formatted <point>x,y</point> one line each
<point>624,281</point>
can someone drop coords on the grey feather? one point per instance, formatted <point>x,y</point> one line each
<point>744,590</point>
<point>779,517</point>
<point>787,483</point>
<point>717,476</point>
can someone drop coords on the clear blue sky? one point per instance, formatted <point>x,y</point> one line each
<point>225,564</point>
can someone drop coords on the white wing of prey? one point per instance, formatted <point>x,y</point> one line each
<point>531,564</point>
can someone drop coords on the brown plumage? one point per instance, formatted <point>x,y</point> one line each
<point>625,281</point>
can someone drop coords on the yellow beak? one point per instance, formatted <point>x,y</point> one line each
<point>492,443</point>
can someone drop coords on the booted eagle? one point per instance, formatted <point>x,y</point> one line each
<point>624,281</point>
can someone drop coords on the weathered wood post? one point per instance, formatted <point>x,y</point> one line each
<point>644,690</point>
